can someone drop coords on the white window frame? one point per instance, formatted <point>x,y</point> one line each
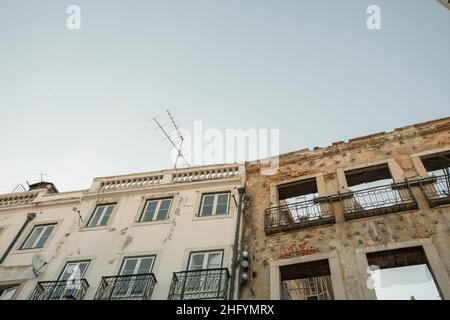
<point>158,206</point>
<point>126,287</point>
<point>72,282</point>
<point>139,258</point>
<point>205,260</point>
<point>7,289</point>
<point>39,238</point>
<point>214,208</point>
<point>106,206</point>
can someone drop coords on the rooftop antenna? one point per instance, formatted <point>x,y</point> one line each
<point>42,176</point>
<point>19,188</point>
<point>179,153</point>
<point>180,136</point>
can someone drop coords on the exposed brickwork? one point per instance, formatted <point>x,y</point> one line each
<point>345,237</point>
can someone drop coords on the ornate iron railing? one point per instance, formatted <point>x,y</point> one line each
<point>60,290</point>
<point>200,284</point>
<point>299,215</point>
<point>378,200</point>
<point>436,190</point>
<point>127,287</point>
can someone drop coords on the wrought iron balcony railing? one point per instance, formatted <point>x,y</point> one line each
<point>378,200</point>
<point>127,287</point>
<point>200,284</point>
<point>60,290</point>
<point>299,215</point>
<point>436,190</point>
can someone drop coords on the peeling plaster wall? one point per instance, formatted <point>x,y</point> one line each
<point>171,240</point>
<point>345,237</point>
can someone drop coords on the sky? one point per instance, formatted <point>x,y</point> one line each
<point>403,283</point>
<point>77,104</point>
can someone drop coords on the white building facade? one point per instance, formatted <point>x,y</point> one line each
<point>161,235</point>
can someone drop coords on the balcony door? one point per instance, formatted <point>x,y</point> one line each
<point>133,276</point>
<point>204,275</point>
<point>69,282</point>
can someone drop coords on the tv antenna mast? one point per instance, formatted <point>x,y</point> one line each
<point>180,137</point>
<point>19,188</point>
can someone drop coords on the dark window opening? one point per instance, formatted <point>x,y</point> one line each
<point>307,281</point>
<point>369,177</point>
<point>402,274</point>
<point>298,191</point>
<point>437,164</point>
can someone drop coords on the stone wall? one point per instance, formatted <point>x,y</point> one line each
<point>400,149</point>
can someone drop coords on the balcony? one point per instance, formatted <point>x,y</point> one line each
<point>299,215</point>
<point>128,287</point>
<point>436,190</point>
<point>200,284</point>
<point>60,290</point>
<point>378,200</point>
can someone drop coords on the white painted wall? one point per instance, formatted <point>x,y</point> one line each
<point>171,240</point>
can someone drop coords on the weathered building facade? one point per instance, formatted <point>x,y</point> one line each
<point>382,200</point>
<point>309,231</point>
<point>158,235</point>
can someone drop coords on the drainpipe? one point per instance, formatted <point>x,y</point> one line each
<point>30,217</point>
<point>236,242</point>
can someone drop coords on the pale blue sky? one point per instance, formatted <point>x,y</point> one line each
<point>76,104</point>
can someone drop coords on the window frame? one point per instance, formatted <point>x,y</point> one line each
<point>66,264</point>
<point>214,208</point>
<point>45,225</point>
<point>106,205</point>
<point>208,252</point>
<point>158,206</point>
<point>5,287</point>
<point>124,259</point>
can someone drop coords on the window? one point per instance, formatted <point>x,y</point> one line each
<point>298,191</point>
<point>437,164</point>
<point>156,210</point>
<point>307,281</point>
<point>205,260</point>
<point>297,203</point>
<point>437,188</point>
<point>402,274</point>
<point>69,282</point>
<point>203,275</point>
<point>133,280</point>
<point>7,291</point>
<point>370,177</point>
<point>215,204</point>
<point>74,270</point>
<point>137,265</point>
<point>372,191</point>
<point>101,215</point>
<point>38,236</point>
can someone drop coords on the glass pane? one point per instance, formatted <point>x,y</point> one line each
<point>129,266</point>
<point>222,204</point>
<point>106,216</point>
<point>163,210</point>
<point>33,237</point>
<point>149,211</point>
<point>83,266</point>
<point>77,269</point>
<point>197,261</point>
<point>98,212</point>
<point>207,206</point>
<point>208,199</point>
<point>214,260</point>
<point>146,265</point>
<point>7,294</point>
<point>48,231</point>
